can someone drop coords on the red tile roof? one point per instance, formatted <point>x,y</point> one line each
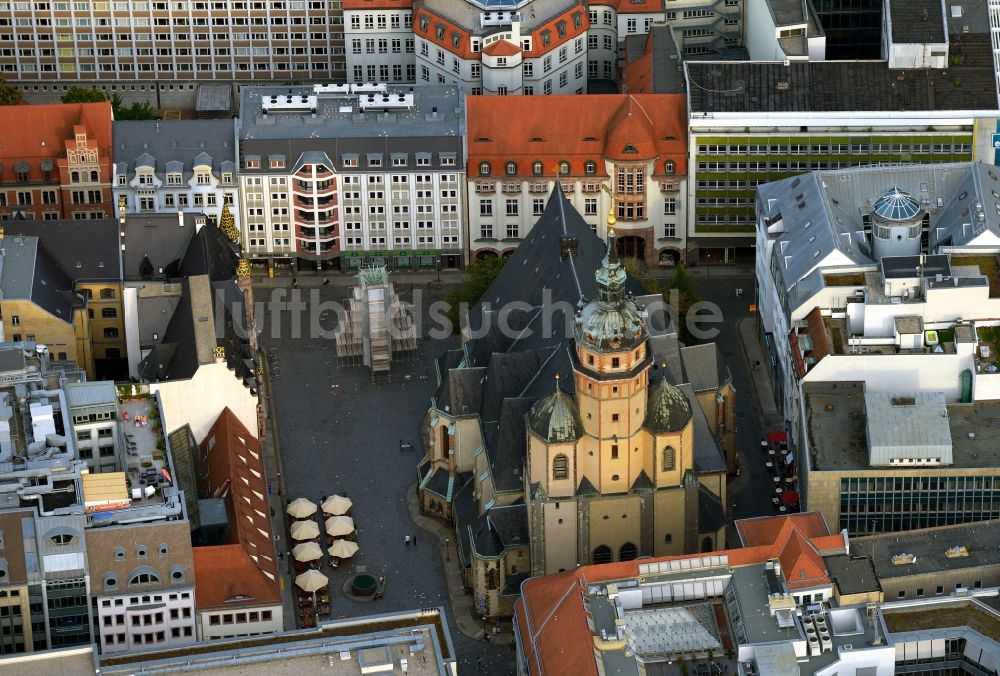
<point>236,469</point>
<point>638,72</point>
<point>451,32</point>
<point>539,49</point>
<point>225,572</point>
<point>43,132</point>
<point>767,530</point>
<point>501,48</point>
<point>591,127</point>
<point>801,564</point>
<point>552,619</point>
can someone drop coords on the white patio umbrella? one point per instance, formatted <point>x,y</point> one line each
<point>336,504</point>
<point>307,551</point>
<point>343,549</point>
<point>339,525</point>
<point>312,581</point>
<point>300,508</point>
<point>305,530</point>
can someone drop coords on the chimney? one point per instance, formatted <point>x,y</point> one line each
<point>199,223</point>
<point>180,218</point>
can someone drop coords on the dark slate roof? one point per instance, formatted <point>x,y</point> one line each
<point>189,338</point>
<point>535,271</point>
<point>500,529</point>
<point>440,483</point>
<point>917,21</point>
<point>460,391</point>
<point>642,482</point>
<point>668,74</point>
<point>707,452</point>
<point>506,446</point>
<point>848,86</point>
<point>711,514</point>
<point>703,367</point>
<point>209,252</point>
<point>586,488</point>
<point>182,141</point>
<point>508,375</point>
<point>29,273</point>
<point>158,238</point>
<point>83,250</point>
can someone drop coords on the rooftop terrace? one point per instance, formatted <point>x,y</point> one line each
<point>952,615</point>
<point>838,438</point>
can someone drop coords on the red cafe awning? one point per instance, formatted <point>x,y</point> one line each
<point>790,498</point>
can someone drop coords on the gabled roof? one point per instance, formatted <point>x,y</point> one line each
<point>228,578</point>
<point>501,48</point>
<point>42,132</point>
<point>233,459</point>
<point>520,129</point>
<point>801,564</point>
<point>767,530</point>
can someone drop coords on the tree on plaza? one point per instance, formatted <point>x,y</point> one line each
<point>140,110</point>
<point>227,224</point>
<point>84,95</point>
<point>687,296</point>
<point>9,94</point>
<point>480,275</point>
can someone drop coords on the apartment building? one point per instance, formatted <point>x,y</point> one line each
<point>58,164</point>
<point>171,166</point>
<point>346,175</point>
<point>379,42</point>
<point>149,47</point>
<point>62,289</point>
<point>613,153</point>
<point>803,116</point>
<point>143,578</point>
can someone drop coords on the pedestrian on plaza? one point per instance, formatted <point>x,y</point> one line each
<point>414,540</point>
<point>756,364</point>
<point>406,540</point>
<point>479,663</point>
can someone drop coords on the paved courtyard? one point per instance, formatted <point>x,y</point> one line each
<point>339,432</point>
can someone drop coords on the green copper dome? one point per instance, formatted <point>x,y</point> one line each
<point>668,409</point>
<point>611,322</point>
<point>556,418</point>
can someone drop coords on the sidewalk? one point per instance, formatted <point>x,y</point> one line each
<point>763,406</point>
<point>314,280</point>
<point>468,621</point>
<point>271,448</point>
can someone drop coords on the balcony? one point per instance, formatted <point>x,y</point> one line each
<point>485,187</point>
<point>322,188</point>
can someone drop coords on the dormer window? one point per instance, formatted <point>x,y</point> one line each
<point>546,38</point>
<point>630,149</point>
<point>423,24</point>
<point>511,168</point>
<point>122,179</point>
<point>669,167</point>
<point>564,168</point>
<point>439,31</point>
<point>277,163</point>
<point>227,177</point>
<point>253,164</point>
<point>590,167</point>
<point>484,168</point>
<point>536,168</point>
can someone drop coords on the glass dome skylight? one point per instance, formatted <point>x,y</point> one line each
<point>896,205</point>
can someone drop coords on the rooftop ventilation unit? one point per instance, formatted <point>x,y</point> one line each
<point>341,89</point>
<point>373,102</point>
<point>369,88</point>
<point>279,103</point>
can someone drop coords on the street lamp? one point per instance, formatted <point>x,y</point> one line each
<point>484,626</point>
<point>708,257</point>
<point>437,265</point>
<point>447,556</point>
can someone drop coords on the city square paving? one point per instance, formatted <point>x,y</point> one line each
<point>340,432</point>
